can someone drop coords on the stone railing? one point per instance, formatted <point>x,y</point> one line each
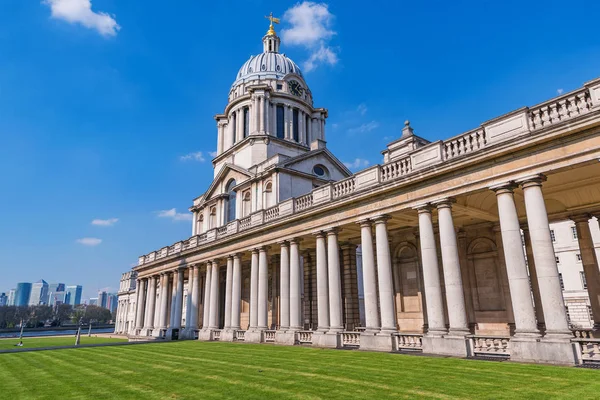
<point>583,333</point>
<point>239,335</point>
<point>350,339</point>
<point>506,128</point>
<point>305,337</point>
<point>409,341</point>
<point>395,169</point>
<point>269,336</point>
<point>496,346</point>
<point>216,334</point>
<point>304,202</point>
<point>587,351</point>
<point>344,187</point>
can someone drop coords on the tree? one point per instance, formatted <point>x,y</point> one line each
<point>62,313</point>
<point>87,314</point>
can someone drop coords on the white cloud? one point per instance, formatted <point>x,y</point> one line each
<point>559,91</point>
<point>105,222</point>
<point>89,241</point>
<point>364,128</point>
<point>213,154</point>
<point>357,163</point>
<point>196,156</point>
<point>80,11</point>
<point>362,109</point>
<point>311,29</point>
<point>174,215</point>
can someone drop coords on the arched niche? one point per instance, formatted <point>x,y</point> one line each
<point>408,288</point>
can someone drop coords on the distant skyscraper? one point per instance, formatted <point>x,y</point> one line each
<point>57,298</point>
<point>3,299</point>
<point>52,289</point>
<point>22,294</point>
<point>93,302</point>
<point>102,299</point>
<point>112,302</point>
<point>39,293</point>
<point>73,295</point>
<point>11,297</point>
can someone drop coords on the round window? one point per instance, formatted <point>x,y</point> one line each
<point>319,170</point>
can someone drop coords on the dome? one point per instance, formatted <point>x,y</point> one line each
<point>267,65</point>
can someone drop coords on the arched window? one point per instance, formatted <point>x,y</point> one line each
<point>296,132</point>
<point>246,122</point>
<point>280,122</point>
<point>200,226</point>
<point>247,204</point>
<point>268,195</point>
<point>234,128</point>
<point>230,202</point>
<point>212,220</point>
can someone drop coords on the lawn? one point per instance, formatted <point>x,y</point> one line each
<point>28,343</point>
<point>205,370</point>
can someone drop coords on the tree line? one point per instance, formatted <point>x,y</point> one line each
<point>40,316</point>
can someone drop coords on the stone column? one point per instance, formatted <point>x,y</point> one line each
<point>151,301</point>
<point>164,301</point>
<point>254,290</point>
<point>369,277</point>
<point>590,264</point>
<point>516,269</point>
<point>141,304</point>
<point>384,276</point>
<point>431,274</point>
<point>295,286</point>
<point>236,292</point>
<point>322,284</point>
<point>535,288</point>
<point>228,292</point>
<point>191,320</point>
<point>455,295</point>
<point>263,288</point>
<point>214,296</point>
<point>335,282</point>
<point>284,265</point>
<point>555,316</point>
<point>178,300</point>
<point>206,303</point>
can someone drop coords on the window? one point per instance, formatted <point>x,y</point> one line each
<point>557,259</point>
<point>268,195</point>
<point>279,86</point>
<point>247,205</point>
<point>212,220</point>
<point>319,170</point>
<point>234,130</point>
<point>230,206</point>
<point>306,122</point>
<point>562,284</point>
<point>295,125</point>
<point>246,121</point>
<point>578,257</point>
<point>200,226</point>
<point>280,122</point>
<point>574,232</point>
<point>583,281</point>
<point>552,236</point>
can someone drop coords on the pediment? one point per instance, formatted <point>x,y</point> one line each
<point>228,172</point>
<point>321,153</point>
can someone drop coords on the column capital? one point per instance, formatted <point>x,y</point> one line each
<point>580,218</point>
<point>332,231</point>
<point>505,187</point>
<point>424,208</point>
<point>533,180</point>
<point>283,243</point>
<point>364,222</point>
<point>461,234</point>
<point>444,203</point>
<point>319,234</point>
<point>237,255</point>
<point>295,240</point>
<point>381,219</point>
<point>263,249</point>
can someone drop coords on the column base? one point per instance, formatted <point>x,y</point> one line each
<point>544,350</point>
<point>253,336</point>
<point>205,335</point>
<point>285,337</point>
<point>376,341</point>
<point>326,339</point>
<point>445,344</point>
<point>159,332</point>
<point>227,335</point>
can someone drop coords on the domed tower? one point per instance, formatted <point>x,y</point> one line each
<point>271,140</point>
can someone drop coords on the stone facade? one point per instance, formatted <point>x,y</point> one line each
<point>445,248</point>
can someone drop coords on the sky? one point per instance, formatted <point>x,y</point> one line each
<point>106,106</point>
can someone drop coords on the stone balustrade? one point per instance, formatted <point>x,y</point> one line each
<point>305,337</point>
<point>216,334</point>
<point>498,346</point>
<point>239,335</point>
<point>350,339</point>
<point>583,333</point>
<point>270,336</point>
<point>588,351</point>
<point>502,129</point>
<point>409,341</point>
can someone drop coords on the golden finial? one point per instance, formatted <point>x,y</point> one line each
<point>271,31</point>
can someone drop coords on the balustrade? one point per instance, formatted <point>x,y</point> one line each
<point>464,144</point>
<point>350,339</point>
<point>271,213</point>
<point>304,202</point>
<point>344,187</point>
<point>245,223</point>
<point>216,334</point>
<point>409,341</point>
<point>395,169</point>
<point>305,337</point>
<point>490,346</point>
<point>564,108</point>
<point>269,336</point>
<point>240,335</point>
<point>589,351</point>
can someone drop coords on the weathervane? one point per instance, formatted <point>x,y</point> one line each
<point>271,18</point>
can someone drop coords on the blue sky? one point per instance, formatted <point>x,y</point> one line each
<point>99,106</point>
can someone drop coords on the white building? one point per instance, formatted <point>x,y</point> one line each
<point>443,266</point>
<point>126,298</point>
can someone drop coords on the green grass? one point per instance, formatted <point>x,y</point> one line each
<point>28,343</point>
<point>205,370</point>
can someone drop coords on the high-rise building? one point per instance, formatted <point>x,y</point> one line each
<point>112,302</point>
<point>73,295</point>
<point>53,288</point>
<point>102,299</point>
<point>57,298</point>
<point>3,299</point>
<point>22,294</point>
<point>11,297</point>
<point>93,301</point>
<point>39,293</point>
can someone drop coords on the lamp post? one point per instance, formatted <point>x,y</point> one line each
<point>78,337</point>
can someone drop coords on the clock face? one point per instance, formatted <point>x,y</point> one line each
<point>295,88</point>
